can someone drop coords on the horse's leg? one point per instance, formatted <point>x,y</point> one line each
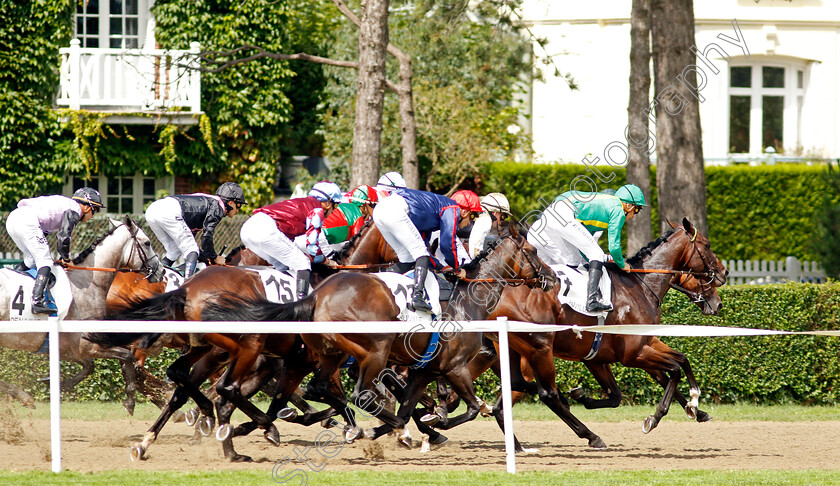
<point>415,384</point>
<point>459,378</point>
<point>230,388</point>
<point>662,379</point>
<point>542,362</point>
<point>17,393</point>
<point>658,356</point>
<point>87,368</point>
<point>322,390</point>
<point>178,372</point>
<point>604,376</point>
<point>364,395</point>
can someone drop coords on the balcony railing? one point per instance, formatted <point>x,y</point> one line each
<point>128,81</point>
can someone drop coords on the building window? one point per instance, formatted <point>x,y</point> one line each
<point>765,107</point>
<point>110,23</point>
<point>124,195</point>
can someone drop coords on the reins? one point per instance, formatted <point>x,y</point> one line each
<point>98,269</point>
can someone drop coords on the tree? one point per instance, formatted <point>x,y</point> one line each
<point>638,169</point>
<point>681,181</point>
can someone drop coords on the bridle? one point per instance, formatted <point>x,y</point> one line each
<point>540,279</point>
<point>148,265</point>
<point>709,274</point>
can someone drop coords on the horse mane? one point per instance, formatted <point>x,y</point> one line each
<point>84,254</point>
<point>647,250</point>
<point>342,254</point>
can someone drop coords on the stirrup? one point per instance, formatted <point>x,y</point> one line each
<point>44,308</point>
<point>596,306</point>
<point>419,304</point>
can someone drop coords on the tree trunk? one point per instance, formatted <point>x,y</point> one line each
<point>638,169</point>
<point>367,132</point>
<point>408,123</point>
<point>680,179</point>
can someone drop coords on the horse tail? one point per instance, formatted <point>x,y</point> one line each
<point>158,308</point>
<point>232,307</point>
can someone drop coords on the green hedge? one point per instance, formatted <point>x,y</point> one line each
<point>764,212</point>
<point>772,369</point>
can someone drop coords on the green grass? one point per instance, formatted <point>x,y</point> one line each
<point>524,411</point>
<point>567,478</point>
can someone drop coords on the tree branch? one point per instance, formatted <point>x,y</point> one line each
<point>211,58</point>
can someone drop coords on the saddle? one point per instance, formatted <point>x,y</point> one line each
<point>573,282</point>
<point>20,285</point>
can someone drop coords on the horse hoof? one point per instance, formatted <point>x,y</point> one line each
<point>404,439</point>
<point>425,446</point>
<point>430,419</point>
<point>576,393</point>
<point>205,426</point>
<point>272,435</point>
<point>351,435</point>
<point>288,414</point>
<point>596,443</point>
<point>703,416</point>
<point>240,458</point>
<point>137,453</point>
<point>191,417</point>
<point>650,424</point>
<point>691,411</point>
<point>439,440</point>
<point>485,410</point>
<point>223,432</point>
<point>178,416</point>
<point>129,407</point>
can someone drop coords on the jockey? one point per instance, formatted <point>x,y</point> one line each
<point>496,209</point>
<point>37,217</point>
<point>270,231</point>
<point>346,221</point>
<point>564,233</point>
<point>407,213</point>
<point>174,219</point>
<point>388,183</point>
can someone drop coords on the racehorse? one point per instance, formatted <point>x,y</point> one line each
<point>636,300</point>
<point>125,246</point>
<point>363,297</point>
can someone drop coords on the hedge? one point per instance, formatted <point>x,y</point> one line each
<point>763,212</point>
<point>773,369</point>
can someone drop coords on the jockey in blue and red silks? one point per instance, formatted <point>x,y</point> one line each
<point>408,217</point>
<point>271,230</point>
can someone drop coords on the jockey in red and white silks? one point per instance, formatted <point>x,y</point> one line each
<point>270,231</point>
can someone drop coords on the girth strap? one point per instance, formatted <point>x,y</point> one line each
<point>596,343</point>
<point>430,352</point>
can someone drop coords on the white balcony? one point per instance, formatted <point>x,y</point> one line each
<point>132,84</point>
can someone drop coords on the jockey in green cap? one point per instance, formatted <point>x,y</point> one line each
<point>564,234</point>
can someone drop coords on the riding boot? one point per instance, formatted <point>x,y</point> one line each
<point>39,293</point>
<point>166,262</point>
<point>593,293</point>
<point>303,283</point>
<point>418,295</point>
<point>21,267</point>
<point>189,267</point>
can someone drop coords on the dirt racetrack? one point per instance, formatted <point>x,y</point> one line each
<point>676,444</point>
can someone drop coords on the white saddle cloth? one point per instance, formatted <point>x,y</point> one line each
<point>403,285</point>
<point>20,300</point>
<point>573,283</point>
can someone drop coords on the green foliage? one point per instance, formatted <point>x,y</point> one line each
<point>468,63</point>
<point>765,212</point>
<point>29,37</point>
<point>827,240</point>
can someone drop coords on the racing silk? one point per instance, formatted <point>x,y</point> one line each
<point>599,212</point>
<point>343,223</point>
<point>430,212</point>
<point>56,214</point>
<point>202,212</point>
<point>314,223</point>
<point>291,215</point>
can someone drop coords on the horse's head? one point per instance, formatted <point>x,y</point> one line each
<point>709,273</point>
<point>512,256</point>
<point>137,252</point>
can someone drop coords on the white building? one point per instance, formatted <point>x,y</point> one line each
<point>782,90</point>
<point>113,68</point>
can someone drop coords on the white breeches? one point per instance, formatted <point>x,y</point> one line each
<point>261,235</point>
<point>22,225</point>
<point>167,222</point>
<point>391,217</point>
<point>560,238</point>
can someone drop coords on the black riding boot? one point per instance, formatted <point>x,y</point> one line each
<point>166,262</point>
<point>39,293</point>
<point>418,295</point>
<point>400,267</point>
<point>189,267</point>
<point>303,283</point>
<point>593,293</point>
<point>21,267</point>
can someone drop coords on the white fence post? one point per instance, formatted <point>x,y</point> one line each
<point>507,400</point>
<point>74,65</point>
<point>793,269</point>
<point>55,396</point>
<point>195,77</point>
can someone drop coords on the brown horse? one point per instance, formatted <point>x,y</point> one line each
<point>636,300</point>
<point>362,297</point>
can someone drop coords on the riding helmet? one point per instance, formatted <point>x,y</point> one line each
<point>89,196</point>
<point>231,191</point>
<point>326,191</point>
<point>496,201</point>
<point>468,200</point>
<point>631,194</point>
